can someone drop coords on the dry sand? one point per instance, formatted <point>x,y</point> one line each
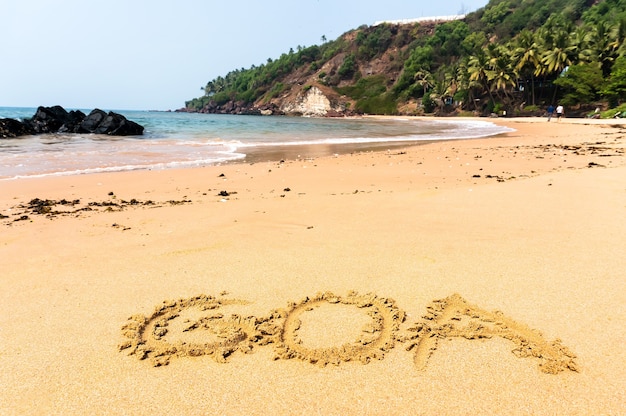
<point>473,277</point>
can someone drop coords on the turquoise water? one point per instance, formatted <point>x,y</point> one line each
<point>177,140</point>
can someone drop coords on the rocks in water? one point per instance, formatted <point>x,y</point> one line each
<point>54,119</point>
<point>58,120</point>
<point>72,122</point>
<point>236,107</point>
<point>12,128</point>
<point>111,123</point>
<point>93,120</point>
<point>117,125</point>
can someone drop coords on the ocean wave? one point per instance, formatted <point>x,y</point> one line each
<point>447,131</point>
<point>179,164</point>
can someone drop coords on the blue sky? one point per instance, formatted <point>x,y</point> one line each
<point>156,54</point>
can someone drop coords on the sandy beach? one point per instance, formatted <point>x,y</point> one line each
<point>467,277</point>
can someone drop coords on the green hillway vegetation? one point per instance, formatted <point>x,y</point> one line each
<point>517,56</point>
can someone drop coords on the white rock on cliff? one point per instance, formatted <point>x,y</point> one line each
<point>312,103</point>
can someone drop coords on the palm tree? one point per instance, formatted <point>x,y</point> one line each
<point>479,70</point>
<point>604,46</point>
<point>503,74</point>
<point>560,55</point>
<point>620,37</point>
<point>442,86</point>
<point>219,84</point>
<point>526,58</point>
<point>453,75</point>
<point>424,79</point>
<point>580,38</point>
<point>465,81</point>
<point>209,89</point>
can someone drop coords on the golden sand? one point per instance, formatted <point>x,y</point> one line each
<point>477,277</point>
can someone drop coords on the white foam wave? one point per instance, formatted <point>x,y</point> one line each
<point>226,157</point>
<point>457,130</point>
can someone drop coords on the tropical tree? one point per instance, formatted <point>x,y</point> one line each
<point>604,46</point>
<point>615,87</point>
<point>424,79</point>
<point>442,87</point>
<point>463,87</point>
<point>503,74</point>
<point>581,83</point>
<point>467,88</point>
<point>558,52</point>
<point>453,75</point>
<point>526,58</point>
<point>580,38</point>
<point>480,72</point>
<point>558,55</point>
<point>620,37</point>
<point>428,103</point>
<point>419,59</point>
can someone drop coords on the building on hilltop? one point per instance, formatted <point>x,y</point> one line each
<point>422,19</point>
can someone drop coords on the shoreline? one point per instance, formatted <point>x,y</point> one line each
<point>313,151</point>
<point>529,223</point>
<point>87,155</point>
<point>532,135</point>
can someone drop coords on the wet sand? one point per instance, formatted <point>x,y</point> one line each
<point>478,276</point>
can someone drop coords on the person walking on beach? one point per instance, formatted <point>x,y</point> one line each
<point>550,111</point>
<point>559,112</point>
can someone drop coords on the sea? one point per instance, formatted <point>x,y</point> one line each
<point>180,140</point>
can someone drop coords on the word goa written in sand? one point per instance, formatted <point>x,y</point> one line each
<point>198,326</point>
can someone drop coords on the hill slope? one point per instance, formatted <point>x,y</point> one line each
<point>510,55</point>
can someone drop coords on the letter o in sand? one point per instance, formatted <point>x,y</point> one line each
<point>377,336</point>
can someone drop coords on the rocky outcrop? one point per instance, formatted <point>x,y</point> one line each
<point>308,101</point>
<point>235,107</point>
<point>54,119</point>
<point>112,123</point>
<point>58,120</point>
<point>12,128</point>
<point>311,102</point>
<point>93,120</point>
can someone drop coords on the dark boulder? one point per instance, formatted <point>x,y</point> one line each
<point>57,120</point>
<point>13,128</point>
<point>72,122</point>
<point>47,119</point>
<point>92,121</point>
<point>117,125</point>
<point>112,123</point>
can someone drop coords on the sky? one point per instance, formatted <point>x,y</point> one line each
<point>157,54</point>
